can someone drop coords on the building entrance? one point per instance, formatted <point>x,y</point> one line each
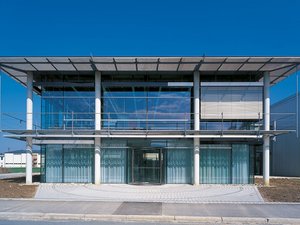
<point>147,165</point>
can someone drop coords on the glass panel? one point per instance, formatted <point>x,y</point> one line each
<point>43,167</point>
<point>226,164</point>
<point>65,163</point>
<point>71,105</point>
<point>113,165</point>
<point>129,166</point>
<point>252,164</point>
<point>215,164</point>
<point>52,113</point>
<point>169,109</point>
<point>121,167</point>
<point>53,163</point>
<point>146,108</point>
<point>78,164</point>
<point>178,166</point>
<point>240,164</point>
<point>147,166</point>
<point>230,125</point>
<point>233,102</point>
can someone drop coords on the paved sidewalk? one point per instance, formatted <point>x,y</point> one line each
<point>160,193</point>
<point>97,210</point>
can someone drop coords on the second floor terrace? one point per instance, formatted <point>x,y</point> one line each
<point>177,125</point>
<point>183,96</point>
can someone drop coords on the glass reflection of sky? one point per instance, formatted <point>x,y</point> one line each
<point>147,109</point>
<point>68,109</point>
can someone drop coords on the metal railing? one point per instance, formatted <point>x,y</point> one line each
<point>147,121</point>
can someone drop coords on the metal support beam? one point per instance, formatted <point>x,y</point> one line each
<point>29,102</point>
<point>196,127</point>
<point>196,161</point>
<point>97,100</point>
<point>97,160</point>
<point>196,100</point>
<point>97,164</point>
<point>29,160</point>
<point>266,145</point>
<point>29,125</point>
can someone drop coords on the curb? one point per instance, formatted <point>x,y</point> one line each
<point>159,218</point>
<point>103,200</point>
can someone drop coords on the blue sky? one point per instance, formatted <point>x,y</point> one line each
<point>154,27</point>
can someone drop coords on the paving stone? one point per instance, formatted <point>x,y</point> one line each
<point>139,208</point>
<point>165,193</point>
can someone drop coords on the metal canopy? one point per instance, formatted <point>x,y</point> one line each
<point>142,133</point>
<point>279,67</point>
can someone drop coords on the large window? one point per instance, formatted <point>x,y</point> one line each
<point>68,102</point>
<point>118,155</point>
<point>231,102</point>
<point>67,163</point>
<point>146,108</point>
<point>226,164</point>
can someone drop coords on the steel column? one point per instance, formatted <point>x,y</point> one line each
<point>266,138</point>
<point>29,125</point>
<point>97,165</point>
<point>196,127</point>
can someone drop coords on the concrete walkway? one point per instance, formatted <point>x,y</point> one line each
<point>32,209</point>
<point>164,193</point>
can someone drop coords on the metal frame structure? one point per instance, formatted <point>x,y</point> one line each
<point>270,70</point>
<point>278,67</point>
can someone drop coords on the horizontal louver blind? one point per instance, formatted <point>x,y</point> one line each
<point>232,102</point>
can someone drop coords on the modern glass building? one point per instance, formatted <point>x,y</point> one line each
<point>148,120</point>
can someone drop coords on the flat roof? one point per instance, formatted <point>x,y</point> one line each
<point>279,67</point>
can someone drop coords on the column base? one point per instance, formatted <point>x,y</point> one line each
<point>266,183</point>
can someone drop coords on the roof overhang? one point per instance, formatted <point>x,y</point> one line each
<point>278,67</point>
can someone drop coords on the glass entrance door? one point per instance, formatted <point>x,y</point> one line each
<point>147,165</point>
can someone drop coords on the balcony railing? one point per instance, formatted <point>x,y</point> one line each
<point>143,121</point>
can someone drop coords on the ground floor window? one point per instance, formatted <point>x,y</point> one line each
<point>226,164</point>
<point>67,163</point>
<point>113,165</point>
<point>154,161</point>
<point>179,166</point>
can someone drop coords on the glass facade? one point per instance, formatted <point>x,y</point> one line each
<point>69,105</point>
<point>147,108</point>
<point>67,163</point>
<point>231,102</point>
<point>114,165</point>
<point>147,165</point>
<point>146,161</point>
<point>179,166</point>
<point>147,103</point>
<point>226,164</point>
